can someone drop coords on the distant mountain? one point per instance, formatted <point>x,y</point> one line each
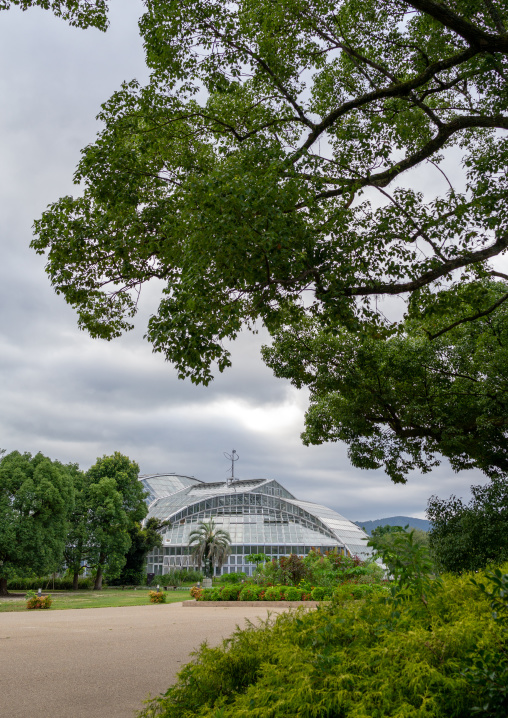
<point>395,521</point>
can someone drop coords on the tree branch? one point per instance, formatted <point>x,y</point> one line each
<point>470,258</point>
<point>471,318</point>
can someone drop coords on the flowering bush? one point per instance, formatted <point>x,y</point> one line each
<point>157,596</point>
<point>196,592</point>
<point>33,600</point>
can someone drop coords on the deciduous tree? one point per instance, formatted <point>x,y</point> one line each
<point>265,171</point>
<point>76,546</point>
<point>114,503</point>
<point>468,537</point>
<point>36,495</point>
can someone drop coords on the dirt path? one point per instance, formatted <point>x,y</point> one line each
<point>102,662</point>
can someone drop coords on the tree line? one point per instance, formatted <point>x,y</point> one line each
<point>54,515</point>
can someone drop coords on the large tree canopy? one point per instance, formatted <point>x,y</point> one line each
<point>264,172</point>
<point>36,495</point>
<point>402,401</point>
<point>114,501</point>
<point>80,13</point>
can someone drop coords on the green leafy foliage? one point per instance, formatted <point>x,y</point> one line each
<point>257,558</point>
<point>489,671</point>
<point>177,576</point>
<point>36,496</point>
<point>45,582</point>
<point>287,570</point>
<point>231,592</point>
<point>76,546</point>
<point>467,537</point>
<point>263,174</point>
<point>400,401</point>
<point>234,577</point>
<point>114,503</point>
<point>409,563</point>
<point>79,13</point>
<point>353,659</point>
<point>250,592</point>
<point>143,540</point>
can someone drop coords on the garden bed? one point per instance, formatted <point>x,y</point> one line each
<point>265,604</point>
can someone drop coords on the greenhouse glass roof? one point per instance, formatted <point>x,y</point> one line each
<point>260,515</point>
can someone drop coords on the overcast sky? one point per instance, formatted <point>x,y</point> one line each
<point>75,398</point>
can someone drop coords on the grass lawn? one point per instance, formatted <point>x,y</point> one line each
<point>95,599</point>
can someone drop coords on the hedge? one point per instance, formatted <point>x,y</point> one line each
<point>253,592</point>
<point>60,584</point>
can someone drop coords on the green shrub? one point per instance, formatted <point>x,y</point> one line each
<point>361,591</point>
<point>129,577</point>
<point>318,593</point>
<point>274,593</point>
<point>230,593</point>
<point>207,594</point>
<point>232,577</point>
<point>370,658</point>
<point>292,593</point>
<point>61,584</point>
<point>249,592</point>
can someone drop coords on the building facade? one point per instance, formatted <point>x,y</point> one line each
<point>260,515</point>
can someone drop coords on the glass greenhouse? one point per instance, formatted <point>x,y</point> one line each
<point>260,515</point>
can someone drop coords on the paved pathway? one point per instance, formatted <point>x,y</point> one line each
<point>102,662</point>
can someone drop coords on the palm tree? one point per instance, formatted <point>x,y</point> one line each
<point>209,545</point>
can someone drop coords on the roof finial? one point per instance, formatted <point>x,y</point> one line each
<point>232,457</point>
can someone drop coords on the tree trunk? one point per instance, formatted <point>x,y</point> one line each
<point>75,579</point>
<point>3,587</point>
<point>98,580</point>
<point>98,577</point>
